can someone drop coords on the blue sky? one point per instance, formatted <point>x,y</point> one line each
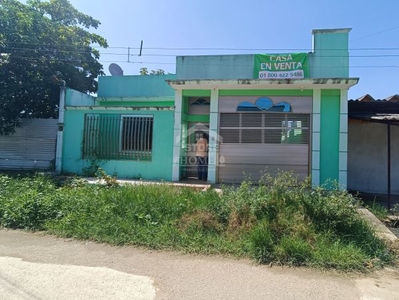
<point>251,26</point>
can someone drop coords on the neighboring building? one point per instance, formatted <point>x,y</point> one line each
<point>31,147</point>
<point>127,128</point>
<point>261,112</point>
<point>373,148</point>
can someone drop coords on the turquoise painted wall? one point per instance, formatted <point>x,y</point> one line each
<point>75,98</point>
<point>159,168</point>
<point>214,67</point>
<point>329,135</point>
<point>129,102</point>
<point>135,86</point>
<point>330,57</point>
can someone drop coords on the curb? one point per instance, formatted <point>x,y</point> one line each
<point>381,230</point>
<point>199,187</point>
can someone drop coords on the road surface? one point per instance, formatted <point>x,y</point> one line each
<point>37,266</point>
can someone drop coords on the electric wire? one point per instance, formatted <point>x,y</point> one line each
<point>210,48</point>
<point>188,64</point>
<point>49,51</point>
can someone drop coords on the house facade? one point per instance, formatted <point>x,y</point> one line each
<point>261,113</point>
<point>373,147</point>
<point>127,129</point>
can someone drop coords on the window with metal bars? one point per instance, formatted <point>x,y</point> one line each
<point>118,137</point>
<point>264,128</point>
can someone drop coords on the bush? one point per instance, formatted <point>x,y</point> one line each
<point>294,251</point>
<point>262,243</point>
<point>200,220</point>
<point>27,203</point>
<point>277,220</point>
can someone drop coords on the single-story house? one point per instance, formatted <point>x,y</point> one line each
<point>261,112</point>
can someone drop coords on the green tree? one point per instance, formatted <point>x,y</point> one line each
<point>157,72</point>
<point>144,71</point>
<point>44,45</point>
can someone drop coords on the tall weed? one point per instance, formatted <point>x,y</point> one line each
<point>277,220</point>
<point>27,203</point>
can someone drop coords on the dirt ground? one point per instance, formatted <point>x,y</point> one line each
<point>38,266</point>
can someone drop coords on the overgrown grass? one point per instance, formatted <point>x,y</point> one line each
<point>277,221</point>
<point>378,210</point>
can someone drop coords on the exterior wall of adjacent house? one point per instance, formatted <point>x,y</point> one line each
<point>31,147</point>
<point>134,86</point>
<point>122,96</point>
<point>367,157</point>
<point>156,169</point>
<point>75,98</point>
<point>395,159</point>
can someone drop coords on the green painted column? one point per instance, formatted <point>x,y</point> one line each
<point>329,135</point>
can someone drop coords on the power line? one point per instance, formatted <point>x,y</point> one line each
<point>329,56</point>
<point>376,33</point>
<point>269,49</point>
<point>216,48</point>
<point>8,49</point>
<point>191,64</point>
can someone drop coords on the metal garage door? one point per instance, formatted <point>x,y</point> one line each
<point>31,147</point>
<point>252,143</point>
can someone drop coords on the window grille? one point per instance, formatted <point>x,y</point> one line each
<point>264,128</point>
<point>118,137</point>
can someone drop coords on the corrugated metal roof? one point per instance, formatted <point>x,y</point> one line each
<point>376,110</point>
<point>369,98</point>
<point>375,117</point>
<point>392,117</point>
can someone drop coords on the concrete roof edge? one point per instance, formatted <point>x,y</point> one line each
<point>249,81</point>
<point>333,30</point>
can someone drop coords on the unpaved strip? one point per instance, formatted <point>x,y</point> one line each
<point>178,276</point>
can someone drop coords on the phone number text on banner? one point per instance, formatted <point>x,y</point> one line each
<point>281,75</point>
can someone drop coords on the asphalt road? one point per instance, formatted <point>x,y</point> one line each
<point>37,266</point>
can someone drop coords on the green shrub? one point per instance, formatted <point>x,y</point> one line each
<point>277,220</point>
<point>293,250</point>
<point>27,203</point>
<point>262,244</point>
<point>336,254</point>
